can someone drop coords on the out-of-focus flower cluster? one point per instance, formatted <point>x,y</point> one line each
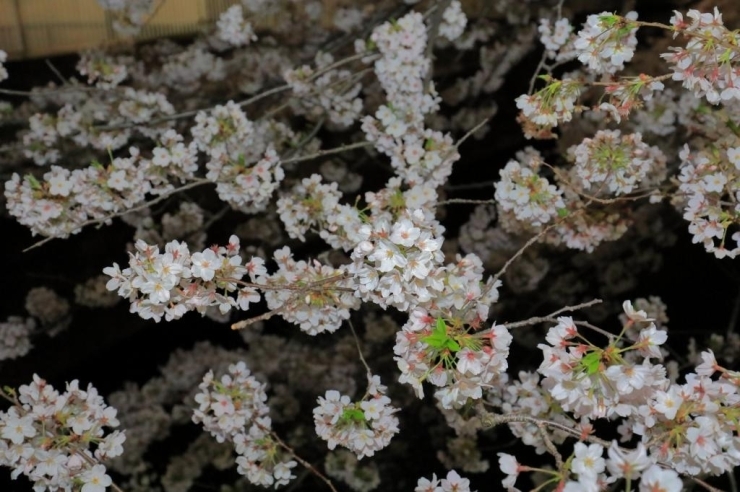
<point>326,91</point>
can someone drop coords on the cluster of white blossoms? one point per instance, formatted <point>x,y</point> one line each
<point>76,123</point>
<point>686,427</point>
<point>58,440</point>
<point>615,161</point>
<point>452,355</point>
<point>594,382</point>
<point>527,202</point>
<point>246,186</point>
<point>553,104</point>
<point>173,282</point>
<point>143,106</point>
<point>399,263</point>
<point>419,155</point>
<point>234,408</point>
<point>530,198</point>
<point>607,41</point>
<point>364,426</point>
<point>452,483</point>
<point>224,128</point>
<point>587,228</point>
<point>232,28</point>
<point>628,95</point>
<point>326,91</point>
<point>174,158</point>
<point>307,206</point>
<point>403,65</point>
<point>525,396</point>
<point>312,205</point>
<point>43,135</point>
<point>316,297</point>
<point>690,427</point>
<point>705,65</point>
<point>708,177</point>
<point>683,428</point>
<point>589,466</point>
<point>64,201</point>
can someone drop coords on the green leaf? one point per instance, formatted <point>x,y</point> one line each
<point>353,415</point>
<point>591,362</point>
<point>452,345</point>
<point>435,341</point>
<point>439,339</point>
<point>33,181</point>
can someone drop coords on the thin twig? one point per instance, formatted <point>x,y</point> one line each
<point>240,325</point>
<point>521,251</point>
<point>359,348</point>
<point>474,129</point>
<point>56,71</point>
<point>319,285</point>
<point>436,20</point>
<point>470,186</point>
<point>466,201</point>
<point>322,153</point>
<point>706,485</point>
<point>300,460</point>
<point>216,217</point>
<point>551,316</point>
<point>55,90</point>
<point>588,325</point>
<point>536,74</point>
<point>551,447</point>
<point>733,482</point>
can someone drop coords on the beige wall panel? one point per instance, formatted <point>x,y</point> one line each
<point>11,39</point>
